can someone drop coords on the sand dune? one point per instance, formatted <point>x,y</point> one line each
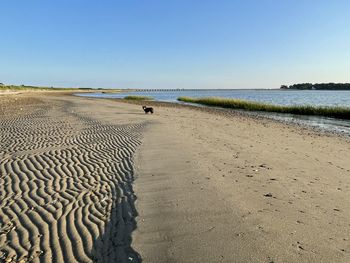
<point>65,184</point>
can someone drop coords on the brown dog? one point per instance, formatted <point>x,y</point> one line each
<point>147,109</point>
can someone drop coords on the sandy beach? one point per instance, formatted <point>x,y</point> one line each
<point>95,180</point>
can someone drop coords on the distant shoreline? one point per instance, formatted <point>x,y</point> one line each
<point>294,87</point>
<point>317,86</point>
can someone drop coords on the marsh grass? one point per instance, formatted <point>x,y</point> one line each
<point>134,97</point>
<point>334,111</point>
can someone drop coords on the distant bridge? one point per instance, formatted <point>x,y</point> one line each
<point>153,90</point>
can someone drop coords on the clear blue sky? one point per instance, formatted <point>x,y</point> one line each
<point>174,44</point>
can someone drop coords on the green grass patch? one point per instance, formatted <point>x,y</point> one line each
<point>133,97</point>
<point>334,111</point>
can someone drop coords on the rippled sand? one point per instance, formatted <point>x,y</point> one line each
<point>65,183</point>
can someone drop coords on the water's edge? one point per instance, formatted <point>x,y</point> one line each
<point>323,124</point>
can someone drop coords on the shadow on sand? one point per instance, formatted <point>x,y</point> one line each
<point>114,245</point>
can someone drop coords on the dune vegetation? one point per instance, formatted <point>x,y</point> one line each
<point>134,97</point>
<point>334,111</point>
<point>34,88</point>
<point>27,88</point>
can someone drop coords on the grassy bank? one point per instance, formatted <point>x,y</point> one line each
<point>335,112</point>
<point>34,88</point>
<point>138,98</point>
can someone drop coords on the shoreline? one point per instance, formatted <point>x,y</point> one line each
<point>203,185</point>
<point>321,124</point>
<point>235,112</point>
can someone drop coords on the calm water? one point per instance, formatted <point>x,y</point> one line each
<point>311,97</point>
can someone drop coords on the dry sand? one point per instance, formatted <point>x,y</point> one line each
<point>210,186</point>
<point>226,188</point>
<point>65,180</point>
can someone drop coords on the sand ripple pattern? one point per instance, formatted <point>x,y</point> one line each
<point>65,187</point>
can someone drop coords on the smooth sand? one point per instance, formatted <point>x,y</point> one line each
<point>225,188</point>
<point>210,186</point>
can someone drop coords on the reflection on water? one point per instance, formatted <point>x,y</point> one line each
<point>281,97</point>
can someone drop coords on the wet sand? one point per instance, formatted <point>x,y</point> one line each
<point>203,185</point>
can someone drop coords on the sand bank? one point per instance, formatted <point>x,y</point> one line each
<point>220,187</point>
<point>210,186</point>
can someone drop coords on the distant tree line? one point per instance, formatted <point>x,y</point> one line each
<point>321,86</point>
